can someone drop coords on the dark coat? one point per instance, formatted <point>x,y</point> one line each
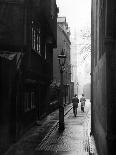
<point>75,101</point>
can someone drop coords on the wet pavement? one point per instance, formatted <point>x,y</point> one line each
<point>45,139</point>
<point>74,140</point>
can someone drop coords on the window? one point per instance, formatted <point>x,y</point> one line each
<point>45,52</point>
<point>32,100</point>
<point>26,102</point>
<point>29,101</point>
<point>36,37</point>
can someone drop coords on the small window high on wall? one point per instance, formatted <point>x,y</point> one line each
<point>36,37</point>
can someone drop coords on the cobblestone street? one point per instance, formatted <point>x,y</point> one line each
<point>75,139</point>
<point>45,139</point>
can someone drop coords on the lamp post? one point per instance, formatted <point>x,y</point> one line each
<point>77,88</point>
<point>62,59</point>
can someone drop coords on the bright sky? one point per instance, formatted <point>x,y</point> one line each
<point>77,12</point>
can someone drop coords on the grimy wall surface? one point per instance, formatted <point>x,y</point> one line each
<point>103,75</point>
<point>28,31</point>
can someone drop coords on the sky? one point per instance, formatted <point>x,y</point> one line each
<point>77,12</point>
<point>78,17</point>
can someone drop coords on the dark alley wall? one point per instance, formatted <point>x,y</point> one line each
<point>103,75</point>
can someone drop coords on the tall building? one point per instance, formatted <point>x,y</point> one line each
<point>28,34</point>
<point>103,75</point>
<point>63,43</point>
<point>74,77</point>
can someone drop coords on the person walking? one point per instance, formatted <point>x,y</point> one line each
<point>82,100</point>
<point>75,102</point>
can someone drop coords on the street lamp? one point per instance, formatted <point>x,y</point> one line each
<point>62,59</point>
<point>77,87</point>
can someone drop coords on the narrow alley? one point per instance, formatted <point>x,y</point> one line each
<point>50,52</point>
<point>74,140</point>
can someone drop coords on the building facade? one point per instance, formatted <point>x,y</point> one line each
<point>28,34</point>
<point>103,75</point>
<point>63,43</point>
<point>74,58</point>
